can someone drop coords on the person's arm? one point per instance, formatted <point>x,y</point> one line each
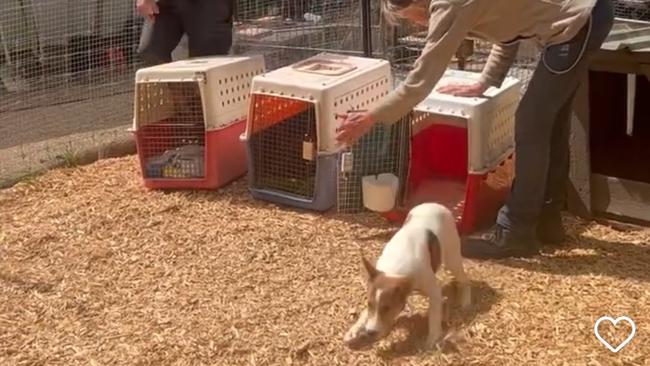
<point>448,26</point>
<point>148,9</point>
<point>498,64</point>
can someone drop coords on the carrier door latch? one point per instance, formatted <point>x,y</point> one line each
<point>308,149</point>
<point>201,77</point>
<point>347,162</point>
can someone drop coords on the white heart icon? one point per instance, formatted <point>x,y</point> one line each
<point>615,321</point>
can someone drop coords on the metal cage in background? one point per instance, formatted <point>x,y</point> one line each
<point>636,10</point>
<point>288,31</point>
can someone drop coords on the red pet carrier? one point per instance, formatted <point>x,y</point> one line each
<point>461,152</point>
<point>188,118</point>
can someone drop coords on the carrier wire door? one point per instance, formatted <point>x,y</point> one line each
<point>385,149</point>
<point>282,146</point>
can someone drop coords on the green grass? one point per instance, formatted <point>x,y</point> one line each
<point>70,158</point>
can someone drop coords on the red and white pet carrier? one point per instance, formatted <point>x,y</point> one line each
<point>461,152</point>
<point>187,120</point>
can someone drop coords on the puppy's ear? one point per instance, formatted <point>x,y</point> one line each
<point>371,271</point>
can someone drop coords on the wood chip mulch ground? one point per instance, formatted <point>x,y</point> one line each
<point>96,270</point>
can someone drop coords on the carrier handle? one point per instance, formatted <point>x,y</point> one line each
<point>323,67</point>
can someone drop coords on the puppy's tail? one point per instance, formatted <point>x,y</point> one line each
<point>435,252</point>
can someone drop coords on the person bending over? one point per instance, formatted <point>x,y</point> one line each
<point>568,32</point>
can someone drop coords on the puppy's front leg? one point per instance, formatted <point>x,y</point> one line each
<point>358,326</point>
<point>464,294</point>
<point>454,262</point>
<point>435,315</point>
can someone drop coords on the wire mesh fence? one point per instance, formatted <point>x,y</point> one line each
<point>67,67</point>
<point>404,43</point>
<point>288,31</point>
<point>66,83</point>
<point>632,10</point>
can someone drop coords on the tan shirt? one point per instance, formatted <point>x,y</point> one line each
<point>501,22</point>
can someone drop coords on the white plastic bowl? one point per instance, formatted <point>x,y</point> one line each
<point>380,191</point>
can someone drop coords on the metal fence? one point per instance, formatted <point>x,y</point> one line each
<point>289,31</point>
<point>66,70</point>
<point>67,67</point>
<point>638,10</point>
<point>404,43</point>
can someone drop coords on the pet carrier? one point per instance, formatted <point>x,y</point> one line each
<point>290,135</point>
<point>461,152</point>
<point>187,120</point>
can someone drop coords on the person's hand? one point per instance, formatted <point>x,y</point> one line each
<point>354,126</point>
<point>148,9</point>
<point>463,90</point>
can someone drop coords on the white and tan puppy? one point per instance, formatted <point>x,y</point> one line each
<point>409,263</point>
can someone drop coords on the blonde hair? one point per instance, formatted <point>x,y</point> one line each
<point>390,8</point>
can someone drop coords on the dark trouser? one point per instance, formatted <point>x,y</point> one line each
<point>208,24</point>
<point>542,126</point>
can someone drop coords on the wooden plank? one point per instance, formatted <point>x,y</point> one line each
<point>621,197</point>
<point>622,224</point>
<point>579,190</point>
<point>622,56</point>
<point>632,36</point>
<point>645,70</point>
<point>622,67</point>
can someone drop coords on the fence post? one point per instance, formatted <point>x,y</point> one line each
<point>366,23</point>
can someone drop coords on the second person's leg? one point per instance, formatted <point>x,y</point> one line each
<point>161,37</point>
<point>549,227</point>
<point>209,26</point>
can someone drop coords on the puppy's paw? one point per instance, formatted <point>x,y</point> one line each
<point>465,296</point>
<point>433,342</point>
<point>446,312</point>
<point>352,334</point>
